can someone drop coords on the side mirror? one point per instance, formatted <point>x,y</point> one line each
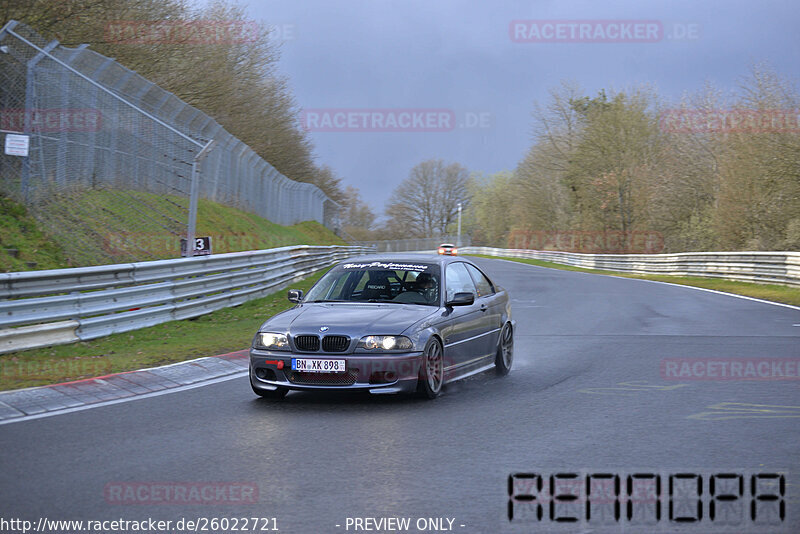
<point>295,295</point>
<point>462,299</point>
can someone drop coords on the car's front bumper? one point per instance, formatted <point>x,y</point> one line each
<point>385,373</point>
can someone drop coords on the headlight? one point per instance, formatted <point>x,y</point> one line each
<point>269,341</point>
<point>385,343</point>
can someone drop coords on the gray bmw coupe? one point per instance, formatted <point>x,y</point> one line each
<point>386,324</point>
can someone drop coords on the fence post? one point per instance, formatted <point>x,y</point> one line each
<point>30,105</point>
<point>194,198</point>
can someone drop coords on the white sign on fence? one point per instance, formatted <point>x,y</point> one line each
<point>17,145</point>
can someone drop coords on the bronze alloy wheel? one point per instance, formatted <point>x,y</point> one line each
<point>432,371</point>
<point>505,351</point>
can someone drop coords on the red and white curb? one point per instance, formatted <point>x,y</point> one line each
<point>44,401</point>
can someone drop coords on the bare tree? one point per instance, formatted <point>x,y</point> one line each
<point>426,203</point>
<point>541,198</point>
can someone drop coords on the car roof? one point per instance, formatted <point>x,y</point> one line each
<point>406,258</point>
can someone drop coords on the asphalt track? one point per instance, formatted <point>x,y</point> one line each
<point>587,393</point>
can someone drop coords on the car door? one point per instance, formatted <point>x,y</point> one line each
<point>491,304</point>
<point>464,325</point>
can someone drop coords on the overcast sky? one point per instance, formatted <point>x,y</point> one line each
<point>458,57</point>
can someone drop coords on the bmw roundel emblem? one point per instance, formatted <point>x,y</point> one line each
<point>323,328</point>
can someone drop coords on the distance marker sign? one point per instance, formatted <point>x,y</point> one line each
<point>202,246</point>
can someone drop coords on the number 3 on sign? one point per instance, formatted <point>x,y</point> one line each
<point>201,246</point>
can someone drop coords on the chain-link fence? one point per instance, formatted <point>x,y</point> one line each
<point>109,149</point>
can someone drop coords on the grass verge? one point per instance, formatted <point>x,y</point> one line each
<point>220,332</point>
<point>771,292</point>
<point>82,228</point>
<point>23,245</point>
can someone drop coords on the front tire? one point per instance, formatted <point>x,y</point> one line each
<point>274,394</point>
<point>505,351</point>
<point>431,373</point>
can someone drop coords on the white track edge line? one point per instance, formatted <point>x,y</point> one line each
<point>238,374</point>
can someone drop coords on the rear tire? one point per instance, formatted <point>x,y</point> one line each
<point>505,351</point>
<point>431,373</point>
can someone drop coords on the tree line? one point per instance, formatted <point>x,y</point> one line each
<point>714,171</point>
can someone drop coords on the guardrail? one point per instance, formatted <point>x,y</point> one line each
<point>762,267</point>
<point>43,308</point>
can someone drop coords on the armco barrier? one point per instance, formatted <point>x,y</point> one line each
<point>43,308</point>
<point>762,267</point>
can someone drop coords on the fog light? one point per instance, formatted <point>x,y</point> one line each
<point>261,373</point>
<point>382,377</point>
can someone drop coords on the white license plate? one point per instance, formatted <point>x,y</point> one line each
<point>315,365</point>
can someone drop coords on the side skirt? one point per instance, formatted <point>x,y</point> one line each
<point>472,367</point>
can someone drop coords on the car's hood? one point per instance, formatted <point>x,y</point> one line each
<point>353,319</point>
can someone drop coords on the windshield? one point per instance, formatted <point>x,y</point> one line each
<point>379,282</point>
